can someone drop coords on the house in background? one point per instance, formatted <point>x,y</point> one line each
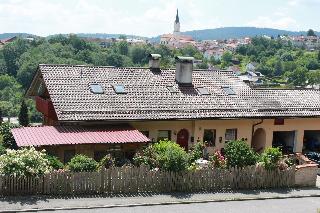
<point>7,40</point>
<point>95,110</point>
<point>251,67</point>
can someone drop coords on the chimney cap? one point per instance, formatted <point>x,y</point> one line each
<point>184,59</point>
<point>154,56</point>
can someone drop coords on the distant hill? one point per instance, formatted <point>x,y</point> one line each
<point>9,35</point>
<point>104,35</point>
<point>207,34</point>
<point>239,32</point>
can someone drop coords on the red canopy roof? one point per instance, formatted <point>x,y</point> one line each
<point>62,135</point>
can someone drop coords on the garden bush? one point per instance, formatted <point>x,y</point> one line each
<point>166,155</point>
<point>239,154</point>
<point>82,163</point>
<point>270,158</point>
<point>106,162</point>
<point>24,162</point>
<point>54,162</point>
<point>196,152</point>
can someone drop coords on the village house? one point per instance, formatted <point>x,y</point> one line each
<point>96,110</point>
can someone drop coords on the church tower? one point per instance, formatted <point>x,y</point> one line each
<point>176,24</point>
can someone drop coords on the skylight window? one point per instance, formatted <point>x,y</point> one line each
<point>172,89</point>
<point>119,89</point>
<point>96,88</point>
<point>203,91</point>
<point>228,90</point>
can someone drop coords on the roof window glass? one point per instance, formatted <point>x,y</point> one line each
<point>96,88</point>
<point>119,89</point>
<point>228,90</point>
<point>203,91</point>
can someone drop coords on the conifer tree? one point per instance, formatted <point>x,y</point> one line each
<point>24,114</point>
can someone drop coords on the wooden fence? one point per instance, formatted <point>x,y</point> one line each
<point>141,179</point>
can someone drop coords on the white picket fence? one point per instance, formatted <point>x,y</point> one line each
<point>140,179</point>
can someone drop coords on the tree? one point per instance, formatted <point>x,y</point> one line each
<point>314,77</point>
<point>123,47</point>
<point>226,57</point>
<point>311,33</point>
<point>24,114</point>
<point>11,54</point>
<point>298,77</point>
<point>123,37</point>
<point>278,68</point>
<point>114,59</point>
<point>7,137</point>
<point>1,119</point>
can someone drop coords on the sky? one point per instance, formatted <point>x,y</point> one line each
<point>153,17</point>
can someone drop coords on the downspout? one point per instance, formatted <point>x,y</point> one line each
<point>253,126</point>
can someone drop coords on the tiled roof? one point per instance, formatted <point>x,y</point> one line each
<point>147,95</point>
<point>63,135</point>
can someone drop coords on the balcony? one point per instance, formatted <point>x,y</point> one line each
<point>45,106</point>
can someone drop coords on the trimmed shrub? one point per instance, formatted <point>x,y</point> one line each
<point>166,155</point>
<point>271,157</point>
<point>54,162</point>
<point>239,154</point>
<point>82,163</point>
<point>24,162</point>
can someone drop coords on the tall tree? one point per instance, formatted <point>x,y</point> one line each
<point>278,68</point>
<point>1,119</point>
<point>311,33</point>
<point>11,54</point>
<point>24,114</point>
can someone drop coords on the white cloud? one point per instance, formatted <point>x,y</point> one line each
<point>277,22</point>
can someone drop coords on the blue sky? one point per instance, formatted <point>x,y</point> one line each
<point>153,17</point>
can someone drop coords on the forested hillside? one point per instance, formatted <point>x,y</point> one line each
<point>278,60</point>
<point>19,61</point>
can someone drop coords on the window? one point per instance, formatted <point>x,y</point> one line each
<point>231,135</point>
<point>203,91</point>
<point>96,88</point>
<point>68,154</point>
<point>119,89</point>
<point>279,121</point>
<point>164,134</point>
<point>146,133</point>
<point>228,90</point>
<point>172,89</point>
<point>209,137</point>
<point>98,155</point>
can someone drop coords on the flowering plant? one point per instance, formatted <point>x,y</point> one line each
<point>24,162</point>
<point>218,160</point>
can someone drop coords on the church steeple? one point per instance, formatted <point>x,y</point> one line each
<point>176,29</point>
<point>177,17</point>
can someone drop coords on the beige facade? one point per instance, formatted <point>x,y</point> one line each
<point>262,131</point>
<point>244,131</point>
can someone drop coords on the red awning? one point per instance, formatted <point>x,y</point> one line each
<point>63,135</point>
